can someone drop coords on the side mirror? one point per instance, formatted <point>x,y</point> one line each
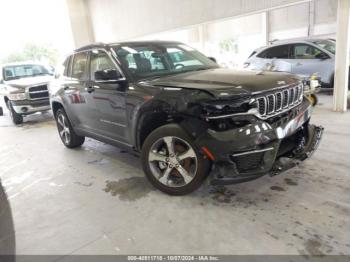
<point>107,75</point>
<point>322,56</point>
<point>212,59</point>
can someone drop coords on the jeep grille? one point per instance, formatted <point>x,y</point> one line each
<point>273,103</point>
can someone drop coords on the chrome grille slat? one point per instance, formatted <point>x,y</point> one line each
<point>295,94</point>
<point>285,98</point>
<point>291,96</point>
<point>300,97</point>
<point>38,92</point>
<point>262,107</point>
<point>270,104</point>
<point>279,101</point>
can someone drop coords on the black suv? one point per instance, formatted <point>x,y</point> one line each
<point>183,114</point>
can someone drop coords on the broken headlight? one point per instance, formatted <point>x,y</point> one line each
<point>221,107</point>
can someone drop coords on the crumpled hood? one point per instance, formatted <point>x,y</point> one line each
<point>29,81</point>
<point>222,82</point>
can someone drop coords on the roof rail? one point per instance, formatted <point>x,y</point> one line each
<point>93,45</point>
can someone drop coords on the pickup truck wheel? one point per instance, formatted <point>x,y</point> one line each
<point>17,119</point>
<point>172,163</point>
<point>69,138</point>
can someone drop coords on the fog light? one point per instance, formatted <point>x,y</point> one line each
<point>24,109</point>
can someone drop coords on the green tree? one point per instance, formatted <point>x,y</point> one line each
<point>228,45</point>
<point>43,53</point>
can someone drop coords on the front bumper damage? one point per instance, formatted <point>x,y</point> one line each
<point>262,147</point>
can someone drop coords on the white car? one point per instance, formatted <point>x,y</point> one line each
<point>24,88</point>
<point>301,57</point>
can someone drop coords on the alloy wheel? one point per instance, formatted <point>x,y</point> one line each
<point>172,161</point>
<point>63,128</point>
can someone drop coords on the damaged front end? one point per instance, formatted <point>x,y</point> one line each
<point>309,140</point>
<point>256,135</point>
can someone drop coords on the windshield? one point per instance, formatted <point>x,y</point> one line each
<point>327,45</point>
<point>154,60</point>
<point>20,71</point>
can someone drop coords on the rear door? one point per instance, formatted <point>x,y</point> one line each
<point>109,99</point>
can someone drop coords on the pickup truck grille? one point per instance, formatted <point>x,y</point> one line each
<point>272,103</point>
<point>38,92</point>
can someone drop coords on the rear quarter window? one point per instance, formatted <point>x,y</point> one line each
<point>65,67</point>
<point>79,66</point>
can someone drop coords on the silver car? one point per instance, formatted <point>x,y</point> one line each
<point>301,57</point>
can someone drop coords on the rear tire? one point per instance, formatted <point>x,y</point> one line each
<point>171,161</point>
<point>66,132</point>
<point>17,119</point>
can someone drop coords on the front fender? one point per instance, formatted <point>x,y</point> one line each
<point>168,106</point>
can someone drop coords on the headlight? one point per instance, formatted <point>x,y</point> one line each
<point>226,106</point>
<point>18,96</point>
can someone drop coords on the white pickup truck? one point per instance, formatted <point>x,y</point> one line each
<point>24,89</point>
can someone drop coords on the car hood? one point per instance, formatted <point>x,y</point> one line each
<point>222,82</point>
<point>28,81</point>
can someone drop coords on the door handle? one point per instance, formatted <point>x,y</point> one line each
<point>90,89</point>
<point>299,64</point>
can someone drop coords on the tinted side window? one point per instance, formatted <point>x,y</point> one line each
<point>281,51</point>
<point>79,66</point>
<point>99,61</point>
<point>304,51</point>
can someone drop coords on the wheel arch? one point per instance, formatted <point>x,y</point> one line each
<point>153,120</point>
<point>6,99</point>
<point>150,121</point>
<point>55,106</point>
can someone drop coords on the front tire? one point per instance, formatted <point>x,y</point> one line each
<point>171,161</point>
<point>66,132</point>
<point>17,119</point>
<point>313,99</point>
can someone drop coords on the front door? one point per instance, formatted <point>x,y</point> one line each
<point>74,85</point>
<point>306,60</point>
<point>108,98</point>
